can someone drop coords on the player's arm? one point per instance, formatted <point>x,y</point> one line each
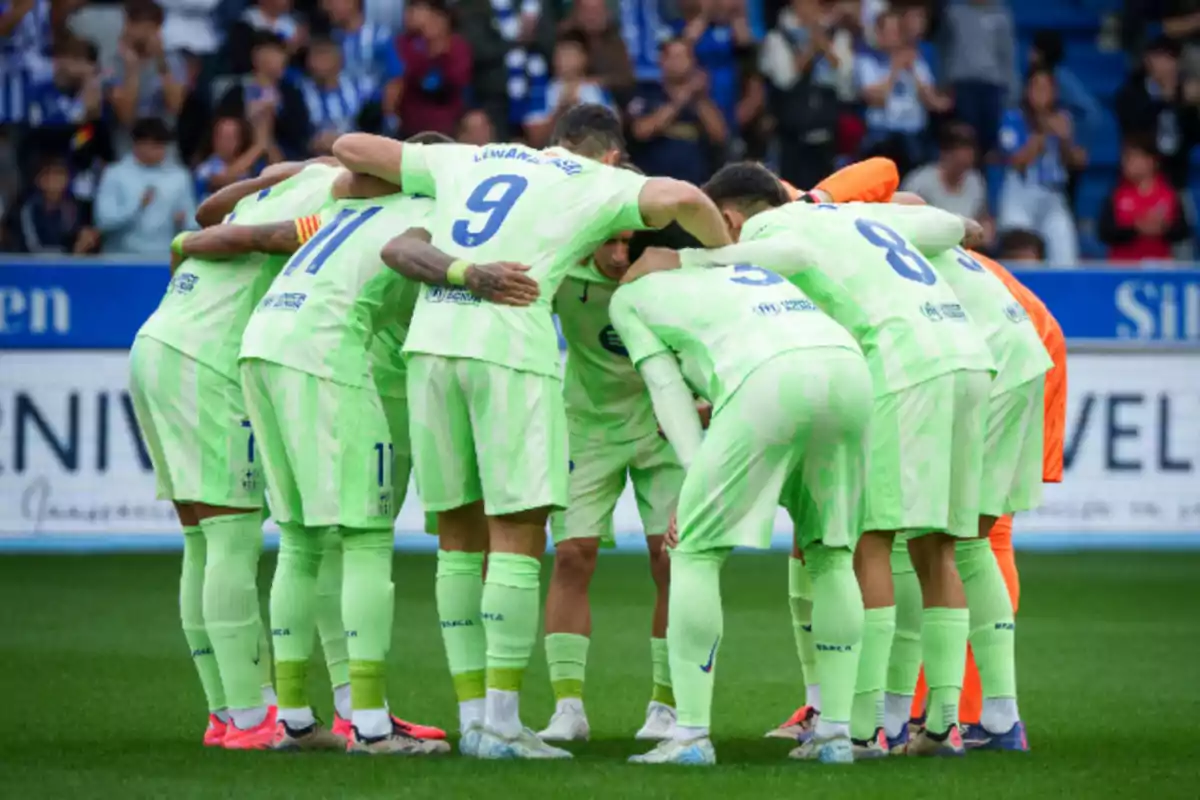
<point>354,185</point>
<point>412,255</point>
<point>227,241</point>
<point>368,154</point>
<point>662,201</point>
<point>217,206</point>
<point>931,230</point>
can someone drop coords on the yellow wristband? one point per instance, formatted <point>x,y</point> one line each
<point>456,274</point>
<point>177,243</point>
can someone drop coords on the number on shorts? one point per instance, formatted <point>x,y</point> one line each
<point>249,442</point>
<point>384,465</point>
<point>964,259</point>
<point>754,276</point>
<point>906,262</point>
<point>319,248</point>
<point>496,207</point>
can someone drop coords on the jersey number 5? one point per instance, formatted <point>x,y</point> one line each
<point>754,276</point>
<point>494,198</point>
<point>901,257</point>
<point>329,238</point>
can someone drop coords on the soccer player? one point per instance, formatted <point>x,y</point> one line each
<point>932,374</point>
<point>187,396</point>
<point>488,426</point>
<point>791,398</point>
<point>612,432</point>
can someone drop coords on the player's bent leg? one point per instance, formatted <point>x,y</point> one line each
<point>568,626</point>
<point>904,665</point>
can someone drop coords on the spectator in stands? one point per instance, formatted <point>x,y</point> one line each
<point>1143,218</point>
<point>897,86</point>
<point>267,16</point>
<point>719,32</point>
<point>237,150</point>
<point>1021,245</point>
<point>914,28</point>
<point>50,220</point>
<point>607,53</point>
<point>641,30</point>
<point>1158,101</point>
<point>437,71</point>
<point>476,128</point>
<point>801,63</point>
<point>1181,24</point>
<point>335,99</point>
<point>953,182</point>
<point>146,81</point>
<point>572,84</point>
<point>979,45</point>
<point>266,99</point>
<point>677,128</point>
<point>144,199</point>
<point>25,38</point>
<point>1040,150</point>
<point>1046,51</point>
<point>368,49</point>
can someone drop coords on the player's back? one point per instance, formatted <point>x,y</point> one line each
<point>335,294</point>
<point>547,209</point>
<point>208,302</point>
<point>878,285</point>
<point>723,323</point>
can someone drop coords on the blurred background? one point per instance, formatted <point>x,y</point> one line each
<point>1066,127</point>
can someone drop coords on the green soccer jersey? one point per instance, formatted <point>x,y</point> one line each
<point>547,209</point>
<point>721,324</point>
<point>208,303</point>
<point>606,398</point>
<point>324,310</point>
<point>873,280</point>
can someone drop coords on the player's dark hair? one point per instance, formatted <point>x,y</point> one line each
<point>429,137</point>
<point>745,185</point>
<point>588,129</point>
<point>672,236</point>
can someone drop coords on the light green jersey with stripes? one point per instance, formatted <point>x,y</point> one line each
<point>324,311</point>
<point>606,398</point>
<point>547,209</point>
<point>208,303</point>
<point>720,323</point>
<point>869,275</point>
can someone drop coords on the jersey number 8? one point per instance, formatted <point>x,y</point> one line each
<point>495,204</point>
<point>901,257</point>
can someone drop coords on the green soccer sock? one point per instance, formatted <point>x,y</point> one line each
<point>329,610</point>
<point>837,623</point>
<point>695,624</point>
<point>191,615</point>
<point>992,627</point>
<point>459,589</point>
<point>265,677</point>
<point>367,608</point>
<point>293,602</point>
<point>566,656</point>
<point>879,628</point>
<point>660,664</point>
<point>800,600</point>
<point>905,664</point>
<point>231,611</point>
<point>509,609</point>
<point>944,647</point>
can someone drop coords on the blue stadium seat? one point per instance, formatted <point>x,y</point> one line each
<point>1093,189</point>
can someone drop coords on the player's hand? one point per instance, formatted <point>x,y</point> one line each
<point>671,540</point>
<point>655,259</point>
<point>975,237</point>
<point>502,282</point>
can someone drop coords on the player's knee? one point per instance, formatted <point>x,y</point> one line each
<point>932,553</point>
<point>660,561</point>
<point>575,560</point>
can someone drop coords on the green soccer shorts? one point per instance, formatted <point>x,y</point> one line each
<point>597,478</point>
<point>484,431</point>
<point>326,447</point>
<point>926,460</point>
<point>195,427</point>
<point>800,422</point>
<point>1013,446</point>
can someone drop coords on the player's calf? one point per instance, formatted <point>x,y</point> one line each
<point>568,625</point>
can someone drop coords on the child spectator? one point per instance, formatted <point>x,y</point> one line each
<point>1039,146</point>
<point>437,70</point>
<point>1158,101</point>
<point>1143,218</point>
<point>50,220</point>
<point>1021,245</point>
<point>237,150</point>
<point>265,98</point>
<point>979,61</point>
<point>335,100</point>
<point>476,128</point>
<point>146,80</point>
<point>571,86</point>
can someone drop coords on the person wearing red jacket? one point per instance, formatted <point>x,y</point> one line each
<point>437,70</point>
<point>1143,218</point>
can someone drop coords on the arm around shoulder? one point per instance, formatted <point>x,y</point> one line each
<point>666,200</point>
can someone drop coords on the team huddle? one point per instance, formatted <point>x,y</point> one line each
<point>340,325</point>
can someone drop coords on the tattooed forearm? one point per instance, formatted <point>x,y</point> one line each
<point>226,241</point>
<point>415,258</point>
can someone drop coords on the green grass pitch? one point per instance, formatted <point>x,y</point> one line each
<point>100,699</point>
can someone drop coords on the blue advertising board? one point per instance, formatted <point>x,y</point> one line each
<point>75,304</point>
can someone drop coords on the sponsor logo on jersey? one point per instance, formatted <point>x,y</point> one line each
<point>458,623</point>
<point>610,340</point>
<point>1016,313</point>
<point>283,301</point>
<point>182,283</point>
<point>768,309</point>
<point>441,294</point>
<point>936,312</point>
<point>773,309</point>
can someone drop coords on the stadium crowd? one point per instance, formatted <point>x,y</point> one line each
<point>118,119</point>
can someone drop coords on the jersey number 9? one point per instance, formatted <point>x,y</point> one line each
<point>493,197</point>
<point>901,257</point>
